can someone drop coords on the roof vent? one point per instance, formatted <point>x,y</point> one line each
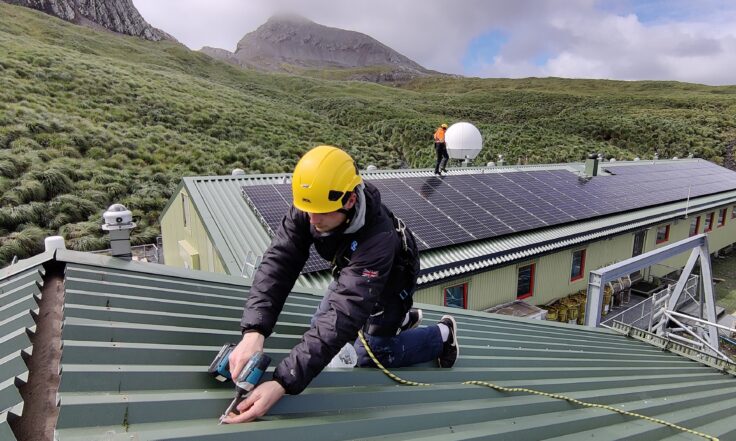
<point>491,164</point>
<point>54,243</point>
<point>371,168</point>
<point>500,160</point>
<point>238,172</point>
<point>613,159</point>
<point>119,222</point>
<point>591,164</point>
<point>675,158</point>
<point>464,141</point>
<point>637,159</point>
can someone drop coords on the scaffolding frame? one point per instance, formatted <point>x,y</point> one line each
<point>698,247</point>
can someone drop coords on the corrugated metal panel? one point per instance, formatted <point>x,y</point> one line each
<point>19,295</point>
<point>137,339</point>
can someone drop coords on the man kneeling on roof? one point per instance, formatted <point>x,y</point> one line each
<point>375,266</point>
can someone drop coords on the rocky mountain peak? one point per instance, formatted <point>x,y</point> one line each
<point>288,41</point>
<point>119,16</point>
<point>286,18</point>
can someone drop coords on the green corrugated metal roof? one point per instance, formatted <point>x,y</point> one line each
<point>235,229</point>
<point>137,339</point>
<point>20,291</point>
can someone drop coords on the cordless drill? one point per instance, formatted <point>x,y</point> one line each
<point>246,380</point>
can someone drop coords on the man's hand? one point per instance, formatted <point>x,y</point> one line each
<point>251,343</point>
<point>260,400</point>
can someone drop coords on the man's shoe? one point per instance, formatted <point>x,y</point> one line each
<point>450,349</point>
<point>415,318</point>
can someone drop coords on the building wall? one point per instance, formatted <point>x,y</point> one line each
<point>552,271</point>
<point>187,244</point>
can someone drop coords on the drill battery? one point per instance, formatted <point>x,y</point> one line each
<point>220,366</point>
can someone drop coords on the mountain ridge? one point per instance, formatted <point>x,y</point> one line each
<point>119,16</point>
<point>289,43</point>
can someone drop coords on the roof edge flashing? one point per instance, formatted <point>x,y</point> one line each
<point>675,347</point>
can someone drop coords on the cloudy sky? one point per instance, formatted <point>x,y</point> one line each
<point>683,40</point>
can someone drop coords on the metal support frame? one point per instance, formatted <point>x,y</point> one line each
<point>698,245</point>
<point>663,307</point>
<point>250,264</point>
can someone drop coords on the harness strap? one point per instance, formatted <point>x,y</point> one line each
<point>401,229</point>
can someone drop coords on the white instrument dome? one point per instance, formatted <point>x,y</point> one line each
<point>463,141</point>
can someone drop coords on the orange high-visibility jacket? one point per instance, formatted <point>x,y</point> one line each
<point>439,135</point>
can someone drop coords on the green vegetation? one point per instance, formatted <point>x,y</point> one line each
<point>89,118</point>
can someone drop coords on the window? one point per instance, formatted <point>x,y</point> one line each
<point>663,234</point>
<point>694,226</point>
<point>638,249</point>
<point>525,282</point>
<point>578,265</point>
<point>185,210</point>
<point>733,212</point>
<point>708,222</point>
<point>457,296</point>
<point>722,217</point>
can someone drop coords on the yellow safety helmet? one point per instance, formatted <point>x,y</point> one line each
<point>322,178</point>
<point>444,126</point>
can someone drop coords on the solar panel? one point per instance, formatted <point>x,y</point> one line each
<point>271,203</point>
<point>457,209</point>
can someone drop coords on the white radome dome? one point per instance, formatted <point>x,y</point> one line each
<point>463,141</point>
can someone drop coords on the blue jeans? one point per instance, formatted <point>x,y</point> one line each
<point>410,347</point>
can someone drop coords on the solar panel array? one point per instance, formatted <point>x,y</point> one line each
<point>456,209</point>
<point>270,203</point>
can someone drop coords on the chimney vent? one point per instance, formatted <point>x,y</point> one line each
<point>591,164</point>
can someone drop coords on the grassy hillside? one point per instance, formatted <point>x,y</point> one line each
<point>89,118</point>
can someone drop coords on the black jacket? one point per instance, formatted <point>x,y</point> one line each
<point>366,279</point>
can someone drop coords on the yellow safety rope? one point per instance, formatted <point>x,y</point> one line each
<point>535,392</point>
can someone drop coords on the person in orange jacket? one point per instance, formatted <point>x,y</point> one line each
<point>441,148</point>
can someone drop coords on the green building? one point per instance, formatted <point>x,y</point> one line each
<point>208,225</point>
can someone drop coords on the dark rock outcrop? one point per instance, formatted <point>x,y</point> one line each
<point>288,41</point>
<point>119,16</point>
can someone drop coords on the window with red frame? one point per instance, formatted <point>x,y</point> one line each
<point>708,222</point>
<point>663,234</point>
<point>694,226</point>
<point>525,282</point>
<point>722,217</point>
<point>457,296</point>
<point>578,265</point>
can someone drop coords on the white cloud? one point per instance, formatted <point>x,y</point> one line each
<point>576,38</point>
